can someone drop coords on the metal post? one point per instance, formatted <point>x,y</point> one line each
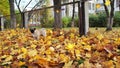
<point>23,20</point>
<point>1,23</point>
<point>83,18</point>
<point>86,17</point>
<point>26,19</point>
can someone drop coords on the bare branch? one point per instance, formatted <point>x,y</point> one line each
<point>16,2</point>
<point>27,5</point>
<point>30,13</point>
<point>19,2</point>
<point>36,5</point>
<point>18,5</point>
<point>112,7</point>
<point>106,9</point>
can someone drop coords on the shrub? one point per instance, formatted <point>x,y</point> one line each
<point>66,21</point>
<point>102,20</point>
<point>116,19</point>
<point>93,20</point>
<point>75,22</point>
<point>97,20</point>
<point>49,23</point>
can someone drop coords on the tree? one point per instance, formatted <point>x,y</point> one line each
<point>67,7</point>
<point>57,14</point>
<point>72,20</point>
<point>4,7</point>
<point>45,14</point>
<point>17,2</point>
<point>109,13</point>
<point>12,14</point>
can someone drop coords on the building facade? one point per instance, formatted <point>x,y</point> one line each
<point>93,9</point>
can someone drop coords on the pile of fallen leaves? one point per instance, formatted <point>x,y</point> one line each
<point>59,49</point>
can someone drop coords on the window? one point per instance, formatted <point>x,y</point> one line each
<point>117,3</point>
<point>93,6</point>
<point>89,4</point>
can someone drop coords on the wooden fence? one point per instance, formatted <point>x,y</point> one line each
<point>83,26</point>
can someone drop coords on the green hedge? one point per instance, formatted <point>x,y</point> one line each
<point>95,20</point>
<point>99,20</point>
<point>66,22</point>
<point>117,19</point>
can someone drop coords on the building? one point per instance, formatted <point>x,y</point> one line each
<point>93,9</point>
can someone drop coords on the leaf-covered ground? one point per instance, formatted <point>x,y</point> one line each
<point>60,49</point>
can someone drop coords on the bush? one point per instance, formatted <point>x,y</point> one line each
<point>49,23</point>
<point>102,20</point>
<point>93,20</point>
<point>116,19</point>
<point>66,21</point>
<point>75,22</point>
<point>97,20</point>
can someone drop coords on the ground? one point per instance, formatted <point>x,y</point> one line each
<point>60,49</point>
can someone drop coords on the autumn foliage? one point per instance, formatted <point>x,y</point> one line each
<point>59,49</point>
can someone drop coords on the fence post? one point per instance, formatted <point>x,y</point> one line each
<point>1,23</point>
<point>23,19</point>
<point>83,18</point>
<point>26,19</point>
<point>86,17</point>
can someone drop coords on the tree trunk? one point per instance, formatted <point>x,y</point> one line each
<point>67,10</point>
<point>12,14</point>
<point>109,15</point>
<point>72,20</point>
<point>109,23</point>
<point>110,18</point>
<point>22,20</point>
<point>81,10</point>
<point>57,14</point>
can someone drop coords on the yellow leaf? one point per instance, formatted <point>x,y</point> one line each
<point>18,25</point>
<point>98,5</point>
<point>87,64</point>
<point>87,47</point>
<point>8,58</point>
<point>37,57</point>
<point>24,50</point>
<point>32,53</point>
<point>4,56</point>
<point>33,46</point>
<point>83,43</point>
<point>61,38</point>
<point>48,52</point>
<point>48,43</point>
<point>52,49</point>
<point>88,55</point>
<point>107,3</point>
<point>4,63</point>
<point>70,46</point>
<point>64,58</point>
<point>21,63</point>
<point>72,35</point>
<point>108,64</point>
<point>77,52</point>
<point>21,56</point>
<point>48,37</point>
<point>68,65</point>
<point>100,36</point>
